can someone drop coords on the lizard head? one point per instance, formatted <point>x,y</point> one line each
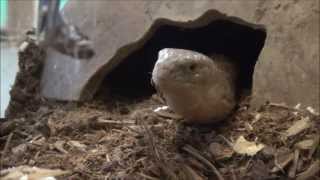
<point>182,67</point>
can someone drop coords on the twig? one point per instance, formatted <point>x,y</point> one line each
<point>6,146</point>
<point>282,106</point>
<point>315,145</point>
<point>36,156</point>
<point>147,177</point>
<point>131,130</point>
<point>191,174</point>
<point>248,164</point>
<point>102,121</point>
<point>157,156</point>
<point>293,169</point>
<point>226,140</point>
<point>234,176</point>
<point>278,166</point>
<point>168,115</point>
<point>5,149</point>
<point>7,127</point>
<point>292,108</point>
<point>194,153</point>
<point>119,131</point>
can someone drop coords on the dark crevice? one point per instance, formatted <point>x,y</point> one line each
<point>242,43</point>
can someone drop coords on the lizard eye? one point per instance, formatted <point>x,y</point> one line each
<point>192,67</point>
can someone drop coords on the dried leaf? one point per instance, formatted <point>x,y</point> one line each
<point>298,127</point>
<point>242,146</point>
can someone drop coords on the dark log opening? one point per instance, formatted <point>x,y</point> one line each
<point>242,43</point>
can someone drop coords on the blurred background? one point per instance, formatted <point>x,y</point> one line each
<point>16,18</point>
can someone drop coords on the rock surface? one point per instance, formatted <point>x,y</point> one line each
<point>288,66</point>
<point>197,87</point>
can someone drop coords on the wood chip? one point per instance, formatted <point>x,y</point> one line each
<point>305,144</point>
<point>314,146</point>
<point>191,174</point>
<point>297,106</point>
<point>106,121</point>
<point>147,176</point>
<point>78,145</point>
<point>138,128</point>
<point>242,146</point>
<point>196,164</point>
<point>38,140</point>
<point>59,146</point>
<point>220,151</point>
<point>52,126</point>
<point>248,127</point>
<point>7,127</point>
<point>257,118</point>
<point>31,173</point>
<point>195,154</point>
<point>312,111</point>
<point>166,114</point>
<point>19,150</point>
<point>282,160</point>
<point>6,147</point>
<point>23,46</point>
<point>310,172</point>
<point>293,168</point>
<point>268,151</point>
<point>298,127</point>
